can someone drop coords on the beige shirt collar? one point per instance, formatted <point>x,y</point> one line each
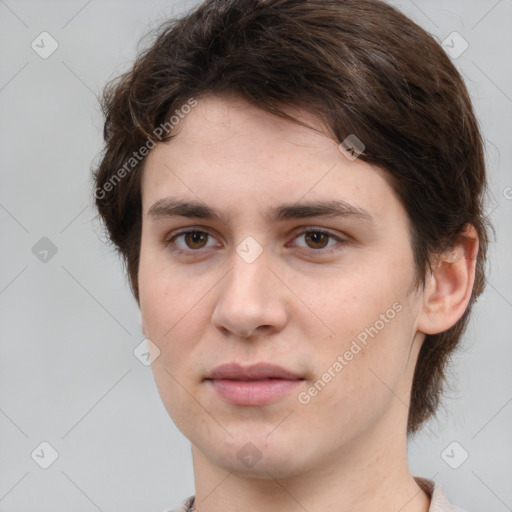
<point>438,499</point>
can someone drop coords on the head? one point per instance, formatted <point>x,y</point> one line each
<point>230,120</point>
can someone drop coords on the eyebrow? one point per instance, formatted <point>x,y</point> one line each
<point>170,207</point>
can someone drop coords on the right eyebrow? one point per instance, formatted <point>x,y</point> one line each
<point>168,207</point>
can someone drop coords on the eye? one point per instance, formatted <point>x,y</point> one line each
<point>193,241</point>
<point>190,241</point>
<point>318,239</point>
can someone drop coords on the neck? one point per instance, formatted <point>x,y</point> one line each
<point>373,476</point>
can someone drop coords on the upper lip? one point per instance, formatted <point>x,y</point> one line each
<point>257,371</point>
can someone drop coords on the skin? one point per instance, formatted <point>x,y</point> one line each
<point>299,305</point>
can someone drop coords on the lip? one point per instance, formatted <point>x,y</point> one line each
<point>256,384</point>
<point>259,371</point>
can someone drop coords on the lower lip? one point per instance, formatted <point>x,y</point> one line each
<point>252,392</point>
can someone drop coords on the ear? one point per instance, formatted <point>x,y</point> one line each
<point>448,289</point>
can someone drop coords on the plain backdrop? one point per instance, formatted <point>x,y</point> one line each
<point>69,325</point>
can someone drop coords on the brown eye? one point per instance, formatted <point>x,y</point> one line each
<point>316,239</point>
<point>191,242</point>
<point>195,239</point>
<point>319,241</point>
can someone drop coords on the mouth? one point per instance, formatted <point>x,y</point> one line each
<point>253,385</point>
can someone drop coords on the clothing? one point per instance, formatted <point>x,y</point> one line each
<point>438,499</point>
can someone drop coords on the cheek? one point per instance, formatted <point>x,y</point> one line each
<point>172,320</point>
<point>370,314</point>
<point>175,312</point>
<point>163,298</point>
<point>358,381</point>
<point>352,303</point>
<point>162,306</point>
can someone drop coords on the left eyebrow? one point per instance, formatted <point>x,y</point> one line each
<point>171,207</point>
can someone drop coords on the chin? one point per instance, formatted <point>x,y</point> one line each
<point>258,456</point>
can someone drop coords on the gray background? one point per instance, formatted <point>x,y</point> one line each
<point>69,325</point>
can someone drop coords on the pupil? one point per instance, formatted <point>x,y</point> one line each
<point>196,238</point>
<point>317,238</point>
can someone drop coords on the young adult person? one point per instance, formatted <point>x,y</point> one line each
<point>296,188</point>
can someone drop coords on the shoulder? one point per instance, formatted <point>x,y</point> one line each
<point>438,500</point>
<point>185,506</point>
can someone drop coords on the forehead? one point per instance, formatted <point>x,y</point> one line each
<point>230,127</point>
<point>228,151</point>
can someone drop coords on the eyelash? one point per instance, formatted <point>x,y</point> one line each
<point>169,241</point>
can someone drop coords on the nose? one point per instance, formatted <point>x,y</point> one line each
<point>251,300</point>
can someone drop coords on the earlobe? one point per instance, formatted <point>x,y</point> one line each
<point>448,289</point>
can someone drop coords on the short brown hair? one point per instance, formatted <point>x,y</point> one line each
<point>360,66</point>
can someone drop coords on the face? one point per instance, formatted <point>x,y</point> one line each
<point>233,271</point>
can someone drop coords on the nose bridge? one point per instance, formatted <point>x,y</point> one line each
<point>248,299</point>
<point>246,283</point>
